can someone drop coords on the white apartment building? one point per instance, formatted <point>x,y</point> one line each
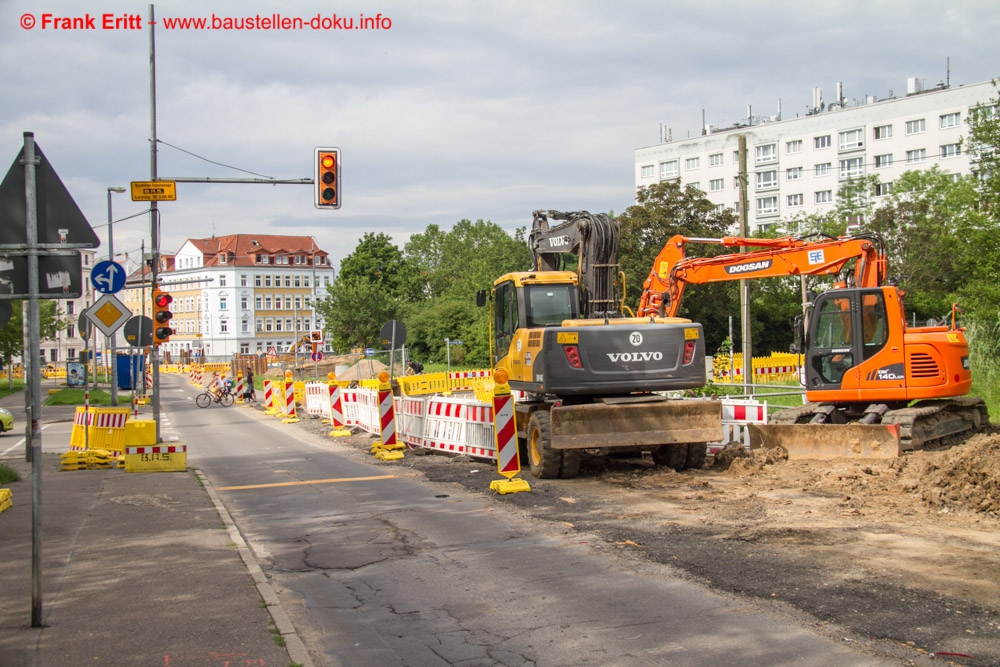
<point>796,166</point>
<point>243,293</point>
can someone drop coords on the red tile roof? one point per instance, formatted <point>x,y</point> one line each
<point>242,249</point>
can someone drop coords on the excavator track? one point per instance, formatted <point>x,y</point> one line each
<point>924,425</point>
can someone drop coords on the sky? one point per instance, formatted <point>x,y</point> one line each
<point>449,110</point>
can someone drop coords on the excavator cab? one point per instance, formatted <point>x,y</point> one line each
<point>847,327</point>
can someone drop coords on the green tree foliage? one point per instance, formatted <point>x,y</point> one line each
<point>12,334</point>
<point>661,211</point>
<point>376,260</point>
<point>355,310</point>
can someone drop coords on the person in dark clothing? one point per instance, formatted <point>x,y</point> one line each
<point>248,389</point>
<point>414,368</point>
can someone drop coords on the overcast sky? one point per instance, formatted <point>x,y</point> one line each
<point>453,109</point>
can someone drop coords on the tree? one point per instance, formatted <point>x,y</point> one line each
<point>376,260</point>
<point>355,311</point>
<point>12,333</point>
<point>661,211</point>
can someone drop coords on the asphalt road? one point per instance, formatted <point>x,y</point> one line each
<point>376,568</point>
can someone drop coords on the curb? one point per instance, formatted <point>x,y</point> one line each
<point>297,652</point>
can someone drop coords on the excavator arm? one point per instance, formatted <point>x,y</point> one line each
<point>673,270</point>
<point>593,238</point>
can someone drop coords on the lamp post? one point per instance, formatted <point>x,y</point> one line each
<point>112,351</point>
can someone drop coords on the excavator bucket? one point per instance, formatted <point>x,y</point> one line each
<point>625,423</point>
<point>829,441</point>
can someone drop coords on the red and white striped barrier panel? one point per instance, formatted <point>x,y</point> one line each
<point>508,461</point>
<point>289,408</point>
<point>268,395</point>
<point>157,449</point>
<point>460,380</point>
<point>387,417</point>
<point>240,388</point>
<point>351,400</point>
<point>737,415</point>
<point>410,411</point>
<point>459,425</point>
<point>317,399</point>
<point>336,410</point>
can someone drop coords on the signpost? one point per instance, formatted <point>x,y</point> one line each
<point>154,191</point>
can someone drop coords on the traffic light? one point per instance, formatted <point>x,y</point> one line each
<point>161,316</point>
<point>327,181</point>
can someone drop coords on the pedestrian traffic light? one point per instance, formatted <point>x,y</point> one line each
<point>326,184</point>
<point>161,316</point>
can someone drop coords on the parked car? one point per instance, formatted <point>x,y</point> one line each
<point>6,420</point>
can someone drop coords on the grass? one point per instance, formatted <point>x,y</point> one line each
<point>8,474</point>
<point>98,397</point>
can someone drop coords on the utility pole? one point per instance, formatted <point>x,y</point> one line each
<point>745,284</point>
<point>154,218</point>
<point>112,339</point>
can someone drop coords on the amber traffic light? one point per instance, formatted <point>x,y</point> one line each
<point>326,184</point>
<point>161,317</point>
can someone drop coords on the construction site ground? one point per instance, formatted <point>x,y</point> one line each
<point>900,554</point>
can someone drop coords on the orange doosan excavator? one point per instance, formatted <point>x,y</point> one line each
<point>887,386</point>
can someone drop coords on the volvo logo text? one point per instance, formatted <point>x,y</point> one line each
<point>635,356</point>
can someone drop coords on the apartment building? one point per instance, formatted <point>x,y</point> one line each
<point>244,293</point>
<point>797,165</point>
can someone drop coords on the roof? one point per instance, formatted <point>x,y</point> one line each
<point>242,249</point>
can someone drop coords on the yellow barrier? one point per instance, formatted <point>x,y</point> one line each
<point>105,429</point>
<point>777,367</point>
<point>140,432</point>
<point>5,499</point>
<point>156,458</point>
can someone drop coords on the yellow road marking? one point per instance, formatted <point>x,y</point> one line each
<point>307,481</point>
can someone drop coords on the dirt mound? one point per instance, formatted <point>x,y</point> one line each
<point>963,477</point>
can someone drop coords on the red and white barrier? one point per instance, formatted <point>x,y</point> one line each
<point>737,415</point>
<point>387,417</point>
<point>289,409</point>
<point>268,395</point>
<point>317,399</point>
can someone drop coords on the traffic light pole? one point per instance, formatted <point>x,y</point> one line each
<point>154,219</point>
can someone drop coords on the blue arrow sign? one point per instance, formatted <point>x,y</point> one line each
<point>107,277</point>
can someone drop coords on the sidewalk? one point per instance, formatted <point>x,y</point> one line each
<point>137,569</point>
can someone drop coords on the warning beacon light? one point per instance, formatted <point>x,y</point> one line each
<point>161,317</point>
<point>326,184</point>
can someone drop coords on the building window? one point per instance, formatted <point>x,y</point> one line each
<point>821,142</point>
<point>916,126</point>
<point>244,282</point>
<point>277,324</point>
<point>223,326</point>
<point>260,347</point>
<point>715,160</point>
<point>914,156</point>
<point>244,302</point>
<point>222,303</point>
<point>288,324</point>
<point>883,132</point>
<point>950,120</point>
<point>951,150</point>
<point>269,324</point>
<point>851,139</point>
<point>669,169</point>
<point>256,281</point>
<point>267,302</point>
<point>298,281</point>
<point>823,169</point>
<point>245,325</point>
<point>824,196</point>
<point>767,179</point>
<point>792,147</point>
<point>794,200</point>
<point>883,161</point>
<point>258,302</point>
<point>696,185</point>
<point>765,153</point>
<point>882,189</point>
<point>305,281</point>
<point>298,301</point>
<point>222,258</point>
<point>267,280</point>
<point>852,168</point>
<point>288,303</point>
<point>281,259</point>
<point>260,323</point>
<point>222,280</point>
<point>288,281</point>
<point>717,184</point>
<point>244,348</point>
<point>793,174</point>
<point>692,163</point>
<point>736,182</point>
<point>767,206</point>
<point>647,171</point>
<point>70,332</point>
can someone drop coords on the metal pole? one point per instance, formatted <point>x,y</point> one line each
<point>33,377</point>
<point>154,220</point>
<point>745,284</point>
<point>113,339</point>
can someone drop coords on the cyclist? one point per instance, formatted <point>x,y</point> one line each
<point>215,387</point>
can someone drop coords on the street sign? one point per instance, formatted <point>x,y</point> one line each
<point>59,276</point>
<point>83,325</point>
<point>59,218</point>
<point>131,330</point>
<point>317,355</point>
<point>108,314</point>
<point>455,342</point>
<point>107,277</point>
<point>369,351</point>
<point>392,331</point>
<point>154,191</point>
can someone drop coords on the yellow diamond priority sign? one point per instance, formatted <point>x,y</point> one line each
<point>108,314</point>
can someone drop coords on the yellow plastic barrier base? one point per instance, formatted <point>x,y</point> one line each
<point>89,459</point>
<point>140,432</point>
<point>389,455</point>
<point>515,485</point>
<point>5,499</point>
<point>142,401</point>
<point>290,420</point>
<point>340,433</point>
<point>156,458</point>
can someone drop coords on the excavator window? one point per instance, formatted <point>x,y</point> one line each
<point>549,304</point>
<point>504,317</point>
<point>832,332</point>
<point>874,322</point>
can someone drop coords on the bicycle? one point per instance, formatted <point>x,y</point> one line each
<point>206,398</point>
